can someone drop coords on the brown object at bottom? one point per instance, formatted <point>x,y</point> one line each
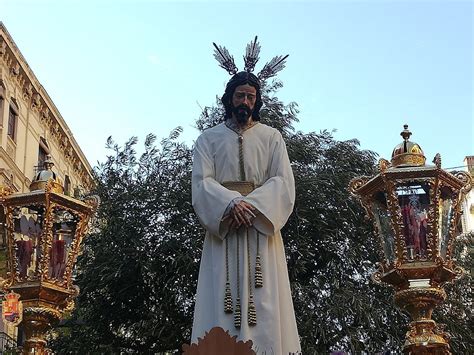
<point>36,322</point>
<point>424,335</point>
<point>217,342</point>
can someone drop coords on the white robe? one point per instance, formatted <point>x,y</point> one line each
<point>216,159</point>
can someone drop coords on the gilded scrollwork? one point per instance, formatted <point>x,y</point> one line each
<point>356,183</point>
<point>12,247</point>
<point>384,164</point>
<point>5,191</point>
<point>466,179</point>
<point>47,312</point>
<point>74,248</point>
<point>459,271</point>
<point>377,275</point>
<point>433,218</point>
<point>396,218</point>
<point>452,230</point>
<point>47,234</point>
<point>437,160</point>
<point>439,260</point>
<point>5,283</point>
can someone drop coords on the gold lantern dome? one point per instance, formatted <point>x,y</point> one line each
<point>407,153</point>
<point>45,175</point>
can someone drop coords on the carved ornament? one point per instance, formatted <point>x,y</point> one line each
<point>217,342</point>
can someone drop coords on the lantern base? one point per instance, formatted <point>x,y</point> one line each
<point>36,322</point>
<point>424,335</point>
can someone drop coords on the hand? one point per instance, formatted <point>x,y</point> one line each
<point>242,213</point>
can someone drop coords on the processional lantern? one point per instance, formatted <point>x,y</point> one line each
<point>415,209</point>
<point>44,230</point>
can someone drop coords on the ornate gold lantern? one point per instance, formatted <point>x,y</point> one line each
<point>415,210</point>
<point>44,232</point>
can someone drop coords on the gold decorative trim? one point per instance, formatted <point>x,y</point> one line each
<point>408,159</point>
<point>42,185</point>
<point>243,187</point>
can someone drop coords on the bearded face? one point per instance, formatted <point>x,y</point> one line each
<point>242,113</point>
<point>243,103</point>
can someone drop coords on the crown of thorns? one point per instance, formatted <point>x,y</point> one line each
<point>251,58</point>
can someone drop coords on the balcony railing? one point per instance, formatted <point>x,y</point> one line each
<point>7,343</point>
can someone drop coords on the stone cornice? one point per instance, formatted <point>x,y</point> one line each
<point>36,97</point>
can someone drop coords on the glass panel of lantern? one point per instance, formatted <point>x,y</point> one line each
<point>384,229</point>
<point>445,219</point>
<point>27,229</point>
<point>414,201</point>
<point>64,229</point>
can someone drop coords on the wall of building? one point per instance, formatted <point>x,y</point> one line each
<point>38,124</point>
<point>467,218</point>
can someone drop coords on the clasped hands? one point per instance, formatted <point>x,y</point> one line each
<point>241,214</point>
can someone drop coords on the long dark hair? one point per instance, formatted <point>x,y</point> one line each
<point>238,79</point>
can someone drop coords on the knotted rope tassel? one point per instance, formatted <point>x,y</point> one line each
<point>258,266</point>
<point>252,312</point>
<point>237,312</point>
<point>237,318</point>
<point>228,295</point>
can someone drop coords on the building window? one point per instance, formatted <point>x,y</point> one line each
<point>43,151</point>
<point>12,120</point>
<point>41,157</point>
<point>67,186</point>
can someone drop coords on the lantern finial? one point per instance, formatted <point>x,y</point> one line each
<point>406,134</point>
<point>407,153</point>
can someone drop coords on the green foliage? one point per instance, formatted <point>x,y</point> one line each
<point>457,312</point>
<point>138,272</point>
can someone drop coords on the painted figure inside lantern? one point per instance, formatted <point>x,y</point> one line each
<point>414,207</point>
<point>58,257</point>
<point>63,233</point>
<point>27,232</point>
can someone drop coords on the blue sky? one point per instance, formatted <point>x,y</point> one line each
<point>364,68</point>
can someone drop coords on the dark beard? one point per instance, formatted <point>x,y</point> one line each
<point>242,113</point>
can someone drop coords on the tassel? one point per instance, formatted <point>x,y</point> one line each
<point>258,273</point>
<point>227,299</point>
<point>252,313</point>
<point>237,317</point>
<point>258,266</point>
<point>227,294</point>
